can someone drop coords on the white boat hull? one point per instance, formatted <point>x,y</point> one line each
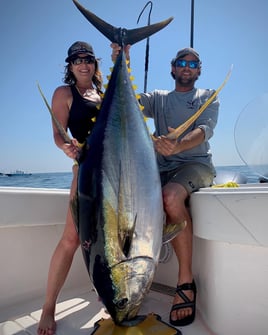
<point>231,257</point>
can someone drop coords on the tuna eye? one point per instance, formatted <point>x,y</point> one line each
<point>121,304</point>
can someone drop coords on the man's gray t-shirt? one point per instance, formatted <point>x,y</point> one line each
<point>171,109</point>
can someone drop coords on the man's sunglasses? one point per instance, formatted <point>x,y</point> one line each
<point>192,64</point>
<point>85,60</point>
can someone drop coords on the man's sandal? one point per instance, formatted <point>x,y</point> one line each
<point>186,304</point>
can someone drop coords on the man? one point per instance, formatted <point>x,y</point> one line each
<point>185,164</point>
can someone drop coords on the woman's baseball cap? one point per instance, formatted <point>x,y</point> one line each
<point>79,48</point>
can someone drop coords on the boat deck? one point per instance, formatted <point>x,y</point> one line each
<point>230,253</point>
<point>78,310</point>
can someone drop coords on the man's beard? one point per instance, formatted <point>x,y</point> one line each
<point>189,82</point>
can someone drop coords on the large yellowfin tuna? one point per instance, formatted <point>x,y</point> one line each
<point>119,205</point>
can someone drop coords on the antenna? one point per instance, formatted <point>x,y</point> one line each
<point>192,25</point>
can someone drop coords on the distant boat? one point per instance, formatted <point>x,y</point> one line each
<point>17,173</point>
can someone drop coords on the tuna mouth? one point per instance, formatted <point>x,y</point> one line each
<point>133,322</point>
<point>149,259</point>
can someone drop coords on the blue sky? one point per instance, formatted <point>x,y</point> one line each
<point>35,36</point>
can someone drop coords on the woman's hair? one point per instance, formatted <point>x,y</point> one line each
<point>97,80</point>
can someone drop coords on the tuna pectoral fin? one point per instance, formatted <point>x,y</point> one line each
<point>125,238</point>
<point>119,35</point>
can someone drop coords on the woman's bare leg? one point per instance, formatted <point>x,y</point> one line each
<point>59,267</point>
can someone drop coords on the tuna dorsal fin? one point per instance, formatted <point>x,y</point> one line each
<point>121,36</point>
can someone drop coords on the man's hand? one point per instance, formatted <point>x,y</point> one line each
<point>165,146</point>
<point>116,50</point>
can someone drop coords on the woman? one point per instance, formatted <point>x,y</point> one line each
<point>75,107</point>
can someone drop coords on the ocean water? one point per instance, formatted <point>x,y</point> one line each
<point>39,180</point>
<point>63,180</point>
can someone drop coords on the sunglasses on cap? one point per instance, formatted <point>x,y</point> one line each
<point>192,64</point>
<point>85,60</point>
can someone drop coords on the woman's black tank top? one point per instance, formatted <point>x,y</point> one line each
<point>82,116</point>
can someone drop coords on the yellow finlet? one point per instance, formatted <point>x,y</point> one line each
<point>80,145</point>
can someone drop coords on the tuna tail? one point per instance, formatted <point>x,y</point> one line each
<point>121,36</point>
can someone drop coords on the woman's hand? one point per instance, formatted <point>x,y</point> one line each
<point>72,149</point>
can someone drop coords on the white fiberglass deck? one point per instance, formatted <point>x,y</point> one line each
<point>78,310</point>
<point>229,262</point>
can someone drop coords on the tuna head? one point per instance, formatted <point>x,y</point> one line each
<point>123,287</point>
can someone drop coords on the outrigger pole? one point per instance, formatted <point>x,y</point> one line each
<point>192,25</point>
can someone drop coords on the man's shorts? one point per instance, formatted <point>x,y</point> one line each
<point>192,176</point>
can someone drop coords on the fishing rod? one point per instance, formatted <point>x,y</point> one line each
<point>146,65</point>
